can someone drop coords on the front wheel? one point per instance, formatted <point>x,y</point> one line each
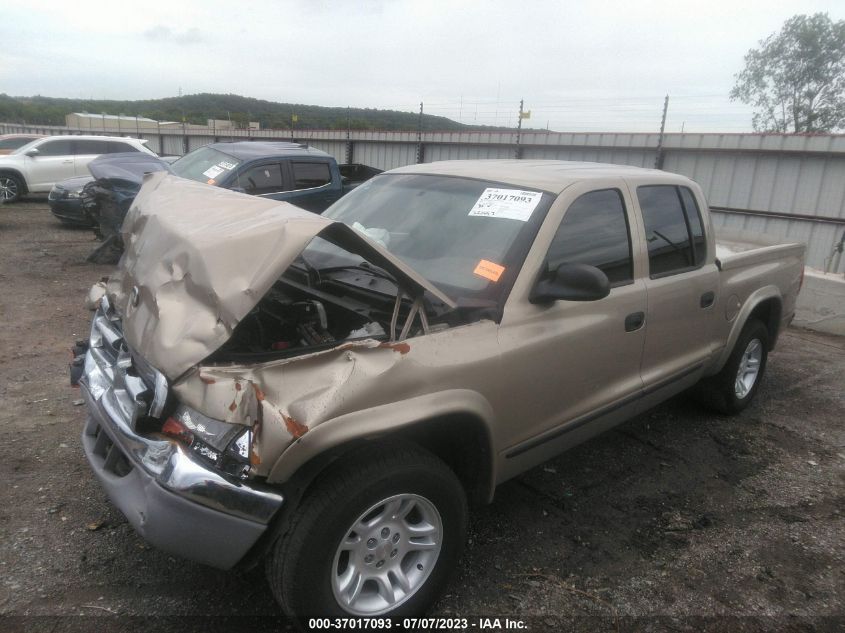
<point>378,536</point>
<point>11,188</point>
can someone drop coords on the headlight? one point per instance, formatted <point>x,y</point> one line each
<point>73,194</point>
<point>225,446</point>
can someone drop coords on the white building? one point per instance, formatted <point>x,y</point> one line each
<point>122,124</point>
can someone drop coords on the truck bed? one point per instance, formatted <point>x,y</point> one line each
<point>735,249</point>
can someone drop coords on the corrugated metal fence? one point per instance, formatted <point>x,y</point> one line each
<point>790,186</point>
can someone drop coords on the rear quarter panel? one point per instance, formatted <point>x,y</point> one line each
<point>746,280</point>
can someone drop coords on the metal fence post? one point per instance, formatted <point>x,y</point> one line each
<point>658,160</point>
<point>420,148</point>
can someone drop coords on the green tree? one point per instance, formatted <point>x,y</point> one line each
<point>796,78</point>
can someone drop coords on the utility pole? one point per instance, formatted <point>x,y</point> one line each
<point>420,149</point>
<point>519,130</point>
<point>658,161</point>
<point>348,138</point>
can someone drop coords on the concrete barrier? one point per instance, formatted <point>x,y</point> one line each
<point>821,304</point>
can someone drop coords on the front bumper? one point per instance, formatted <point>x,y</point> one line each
<point>175,502</point>
<point>68,210</point>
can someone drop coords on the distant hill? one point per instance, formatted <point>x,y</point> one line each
<point>201,107</point>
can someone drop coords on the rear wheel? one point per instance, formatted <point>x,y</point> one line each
<point>378,536</point>
<point>11,188</point>
<point>734,387</point>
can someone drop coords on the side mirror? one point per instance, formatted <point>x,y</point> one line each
<point>32,152</point>
<point>571,282</point>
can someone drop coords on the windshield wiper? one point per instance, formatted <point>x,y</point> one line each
<point>312,275</point>
<point>364,266</point>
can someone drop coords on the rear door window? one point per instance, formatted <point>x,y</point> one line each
<point>116,147</point>
<point>90,147</point>
<point>699,241</point>
<point>309,175</point>
<point>674,231</point>
<point>595,231</point>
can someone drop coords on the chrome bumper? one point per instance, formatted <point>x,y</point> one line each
<point>173,500</point>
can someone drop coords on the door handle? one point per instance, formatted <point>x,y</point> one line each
<point>707,299</point>
<point>634,321</point>
<point>67,162</point>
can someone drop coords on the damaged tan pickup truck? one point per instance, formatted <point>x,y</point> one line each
<point>326,395</point>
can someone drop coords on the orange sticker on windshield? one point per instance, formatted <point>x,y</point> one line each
<point>489,270</point>
<point>211,181</point>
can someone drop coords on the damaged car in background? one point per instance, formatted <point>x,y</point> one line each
<point>326,395</point>
<point>66,198</point>
<point>293,172</point>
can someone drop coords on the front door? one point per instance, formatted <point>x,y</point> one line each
<point>53,163</point>
<point>574,362</point>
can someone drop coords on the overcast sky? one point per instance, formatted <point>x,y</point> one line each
<point>578,65</point>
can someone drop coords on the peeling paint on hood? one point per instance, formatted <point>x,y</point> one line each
<point>199,258</point>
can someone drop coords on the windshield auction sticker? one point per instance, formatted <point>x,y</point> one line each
<point>511,204</point>
<point>213,171</point>
<point>489,270</point>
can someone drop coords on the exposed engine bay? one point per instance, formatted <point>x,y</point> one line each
<point>295,317</point>
<point>283,322</point>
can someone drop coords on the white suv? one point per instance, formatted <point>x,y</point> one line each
<point>37,166</point>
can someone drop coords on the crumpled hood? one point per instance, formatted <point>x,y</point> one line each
<point>198,258</point>
<point>128,167</point>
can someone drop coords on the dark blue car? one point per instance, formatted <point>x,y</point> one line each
<point>302,175</point>
<point>295,173</point>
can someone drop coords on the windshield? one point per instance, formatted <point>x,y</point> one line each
<point>205,165</point>
<point>15,142</point>
<point>28,145</point>
<point>466,236</point>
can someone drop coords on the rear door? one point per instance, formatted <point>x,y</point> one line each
<point>575,366</point>
<point>310,184</point>
<point>53,163</point>
<point>682,284</point>
<point>85,151</point>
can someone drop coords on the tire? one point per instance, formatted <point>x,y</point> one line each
<point>728,392</point>
<point>308,568</point>
<point>11,188</point>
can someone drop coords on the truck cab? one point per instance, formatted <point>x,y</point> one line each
<point>292,172</point>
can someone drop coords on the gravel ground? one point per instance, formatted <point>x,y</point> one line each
<point>677,520</point>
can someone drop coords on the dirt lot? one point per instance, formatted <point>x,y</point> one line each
<point>678,520</point>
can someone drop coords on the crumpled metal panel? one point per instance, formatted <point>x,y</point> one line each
<point>284,400</point>
<point>199,258</point>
